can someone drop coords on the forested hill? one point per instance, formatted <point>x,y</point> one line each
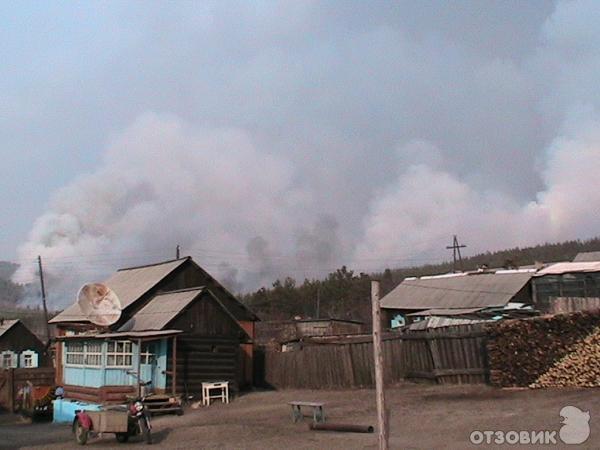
<point>345,294</point>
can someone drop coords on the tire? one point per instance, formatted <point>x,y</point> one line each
<point>122,437</point>
<point>81,434</point>
<point>179,412</point>
<point>145,431</point>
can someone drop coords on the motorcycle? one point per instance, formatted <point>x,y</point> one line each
<point>124,423</point>
<point>141,416</point>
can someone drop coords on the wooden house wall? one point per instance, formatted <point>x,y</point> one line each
<point>208,350</point>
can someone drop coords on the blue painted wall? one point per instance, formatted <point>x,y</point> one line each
<point>79,375</point>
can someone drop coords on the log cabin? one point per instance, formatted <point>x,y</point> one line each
<point>178,327</point>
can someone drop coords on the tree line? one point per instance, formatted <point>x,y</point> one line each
<point>345,294</point>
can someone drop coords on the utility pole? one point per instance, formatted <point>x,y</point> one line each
<point>44,299</point>
<point>456,250</point>
<point>177,252</point>
<point>382,416</point>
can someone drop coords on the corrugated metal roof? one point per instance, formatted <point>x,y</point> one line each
<point>569,267</point>
<point>129,285</point>
<point>587,257</point>
<point>7,325</point>
<point>470,291</point>
<point>161,310</point>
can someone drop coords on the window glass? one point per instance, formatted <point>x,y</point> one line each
<point>119,354</point>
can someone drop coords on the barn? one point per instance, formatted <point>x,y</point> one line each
<point>456,295</point>
<point>179,327</point>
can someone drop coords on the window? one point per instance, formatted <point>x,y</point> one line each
<point>74,352</point>
<point>28,360</point>
<point>119,354</point>
<point>147,355</point>
<point>8,360</point>
<point>80,353</point>
<point>93,354</point>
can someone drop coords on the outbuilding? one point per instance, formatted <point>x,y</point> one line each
<point>454,295</point>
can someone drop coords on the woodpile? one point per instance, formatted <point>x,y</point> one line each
<point>521,351</point>
<point>580,368</point>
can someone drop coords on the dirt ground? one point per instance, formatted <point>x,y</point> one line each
<point>422,417</point>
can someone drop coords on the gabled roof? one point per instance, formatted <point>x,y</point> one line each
<point>161,310</point>
<point>129,284</point>
<point>477,290</point>
<point>165,307</point>
<point>587,257</point>
<point>236,308</point>
<point>7,325</point>
<point>570,267</point>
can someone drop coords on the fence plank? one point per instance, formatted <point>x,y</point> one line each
<point>453,355</point>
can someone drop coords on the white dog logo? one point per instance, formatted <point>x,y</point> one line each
<point>576,427</point>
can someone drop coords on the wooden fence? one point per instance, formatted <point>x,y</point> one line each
<point>449,355</point>
<point>11,380</point>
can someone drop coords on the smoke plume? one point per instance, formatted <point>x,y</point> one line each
<point>286,139</point>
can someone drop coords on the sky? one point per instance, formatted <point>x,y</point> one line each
<point>291,137</point>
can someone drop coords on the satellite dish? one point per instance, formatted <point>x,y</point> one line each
<point>99,303</point>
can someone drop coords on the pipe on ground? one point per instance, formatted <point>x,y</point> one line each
<point>341,427</point>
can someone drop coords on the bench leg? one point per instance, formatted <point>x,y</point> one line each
<point>296,413</point>
<point>318,415</point>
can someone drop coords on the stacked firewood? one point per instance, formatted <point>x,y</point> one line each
<point>579,368</point>
<point>521,351</point>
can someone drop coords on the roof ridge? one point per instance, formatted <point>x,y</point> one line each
<point>154,264</point>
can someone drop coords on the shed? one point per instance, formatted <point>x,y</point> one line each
<point>463,291</point>
<point>275,332</point>
<point>562,281</point>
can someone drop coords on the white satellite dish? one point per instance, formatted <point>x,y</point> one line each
<point>99,303</point>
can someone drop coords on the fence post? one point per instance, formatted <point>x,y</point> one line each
<point>382,421</point>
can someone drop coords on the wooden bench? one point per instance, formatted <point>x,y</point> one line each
<point>318,413</point>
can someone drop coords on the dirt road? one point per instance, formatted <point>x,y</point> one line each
<point>422,417</point>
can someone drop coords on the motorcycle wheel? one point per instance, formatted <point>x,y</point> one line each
<point>122,437</point>
<point>146,431</point>
<point>81,434</point>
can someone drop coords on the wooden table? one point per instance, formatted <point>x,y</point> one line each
<point>318,413</point>
<point>221,386</point>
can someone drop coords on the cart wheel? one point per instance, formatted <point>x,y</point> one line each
<point>81,434</point>
<point>179,412</point>
<point>122,437</point>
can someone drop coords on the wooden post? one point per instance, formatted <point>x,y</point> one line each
<point>382,423</point>
<point>10,375</point>
<point>43,287</point>
<point>174,364</point>
<point>139,368</point>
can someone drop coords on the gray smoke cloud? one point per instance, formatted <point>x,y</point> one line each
<point>288,138</point>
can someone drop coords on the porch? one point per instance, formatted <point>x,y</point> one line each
<point>108,367</point>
